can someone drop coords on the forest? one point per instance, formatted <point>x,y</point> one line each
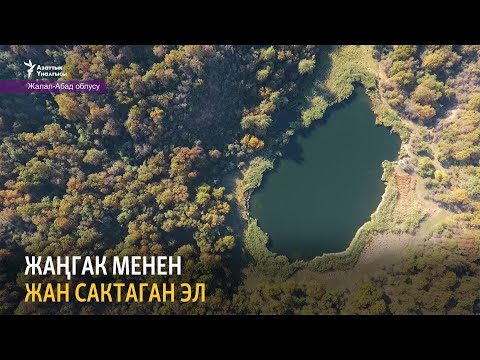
<point>147,168</point>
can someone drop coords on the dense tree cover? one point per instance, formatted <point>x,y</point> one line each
<point>415,79</point>
<point>429,279</point>
<point>421,81</point>
<point>138,169</point>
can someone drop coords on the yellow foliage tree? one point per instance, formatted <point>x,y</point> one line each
<point>253,142</point>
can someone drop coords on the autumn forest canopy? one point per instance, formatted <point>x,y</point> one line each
<point>165,161</point>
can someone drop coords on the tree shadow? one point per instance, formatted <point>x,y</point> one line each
<point>313,85</point>
<point>308,86</point>
<point>294,151</point>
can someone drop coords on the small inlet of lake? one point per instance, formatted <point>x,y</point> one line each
<point>328,182</point>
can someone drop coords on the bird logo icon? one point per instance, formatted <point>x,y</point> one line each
<point>31,67</point>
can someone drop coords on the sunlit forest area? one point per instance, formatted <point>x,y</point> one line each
<point>165,161</point>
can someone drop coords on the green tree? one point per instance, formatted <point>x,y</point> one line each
<point>264,73</point>
<point>256,123</point>
<point>474,102</point>
<point>427,169</point>
<point>306,66</point>
<point>368,298</point>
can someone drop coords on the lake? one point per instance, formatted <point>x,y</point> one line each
<point>328,182</point>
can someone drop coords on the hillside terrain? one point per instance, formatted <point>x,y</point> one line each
<point>166,161</point>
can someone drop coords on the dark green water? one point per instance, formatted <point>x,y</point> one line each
<point>328,182</point>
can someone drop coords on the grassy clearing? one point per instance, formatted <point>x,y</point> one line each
<point>265,261</point>
<point>399,216</point>
<point>349,64</point>
<point>253,176</point>
<point>336,74</point>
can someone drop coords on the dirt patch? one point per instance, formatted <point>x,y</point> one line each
<point>405,184</point>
